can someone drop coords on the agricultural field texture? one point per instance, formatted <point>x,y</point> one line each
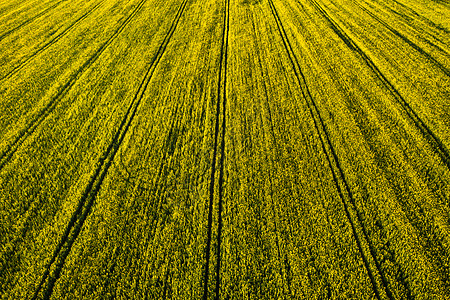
<point>225,149</point>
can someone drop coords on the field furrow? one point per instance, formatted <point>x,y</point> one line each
<point>218,162</point>
<point>338,175</point>
<point>87,199</point>
<point>29,210</point>
<point>35,121</point>
<point>22,63</point>
<point>7,31</point>
<point>373,138</point>
<point>149,266</point>
<point>409,42</point>
<point>435,141</point>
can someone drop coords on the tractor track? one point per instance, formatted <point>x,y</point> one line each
<point>86,201</point>
<point>275,212</point>
<point>424,19</point>
<point>49,43</point>
<point>6,155</point>
<point>408,41</point>
<point>23,134</point>
<point>344,192</point>
<point>409,21</point>
<point>221,95</point>
<point>429,241</point>
<point>432,139</point>
<point>14,8</point>
<point>419,31</point>
<point>12,30</point>
<point>159,189</point>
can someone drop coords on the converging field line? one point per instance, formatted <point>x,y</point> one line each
<point>4,35</point>
<point>221,99</point>
<point>432,139</point>
<point>407,40</point>
<point>333,162</point>
<point>49,43</point>
<point>87,200</point>
<point>29,128</point>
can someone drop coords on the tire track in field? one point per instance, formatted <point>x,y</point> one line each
<point>423,18</point>
<point>410,22</point>
<point>345,193</point>
<point>430,238</point>
<point>73,229</point>
<point>12,148</point>
<point>431,243</point>
<point>419,30</point>
<point>275,212</point>
<point>157,192</point>
<point>49,43</point>
<point>23,134</point>
<point>432,139</point>
<point>15,7</point>
<point>221,95</point>
<point>359,117</point>
<point>408,41</point>
<point>5,34</point>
